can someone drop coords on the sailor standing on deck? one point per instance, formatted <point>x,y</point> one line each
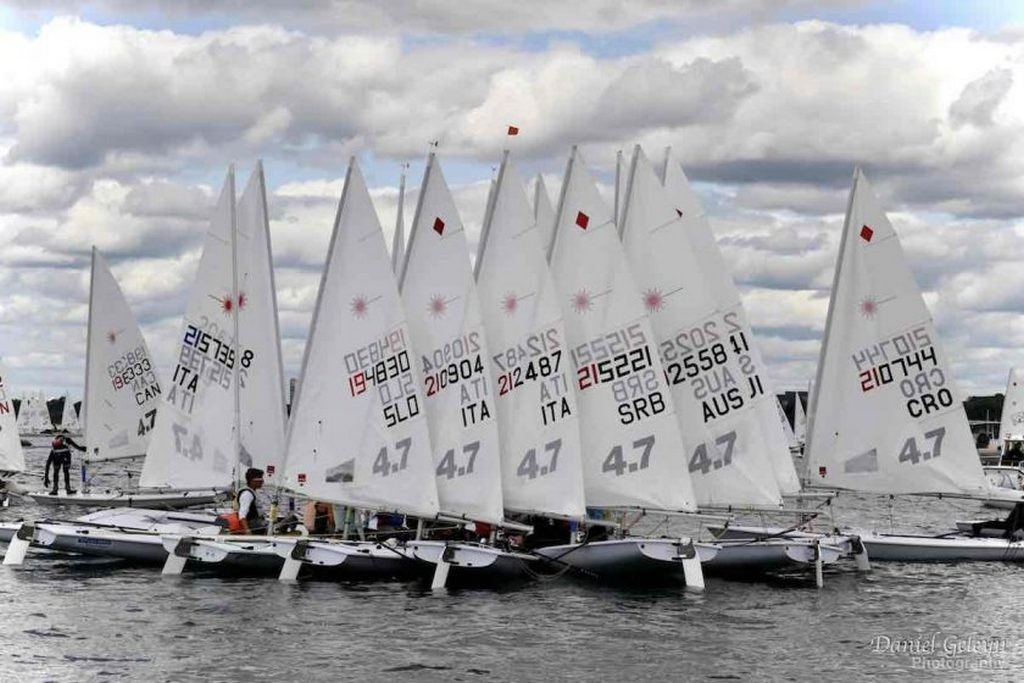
<point>60,458</point>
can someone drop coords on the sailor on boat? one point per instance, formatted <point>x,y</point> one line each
<point>249,517</point>
<point>60,459</point>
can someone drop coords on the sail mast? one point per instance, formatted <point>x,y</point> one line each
<point>237,475</point>
<point>83,420</point>
<point>812,409</point>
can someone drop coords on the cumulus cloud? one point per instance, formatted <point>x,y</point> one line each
<point>118,136</point>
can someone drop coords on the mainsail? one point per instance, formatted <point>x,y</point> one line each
<point>786,428</point>
<point>358,434</point>
<point>799,420</point>
<point>633,452</point>
<point>716,380</point>
<point>121,388</point>
<point>34,416</point>
<point>537,414</point>
<point>441,303</point>
<point>543,212</point>
<point>195,441</point>
<point>261,394</point>
<point>719,285</point>
<point>886,416</point>
<point>1011,422</point>
<point>68,417</point>
<point>12,459</point>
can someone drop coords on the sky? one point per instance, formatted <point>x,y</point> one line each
<point>119,118</point>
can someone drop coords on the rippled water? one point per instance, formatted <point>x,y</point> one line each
<point>77,619</point>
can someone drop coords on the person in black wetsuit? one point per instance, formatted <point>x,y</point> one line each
<point>60,459</point>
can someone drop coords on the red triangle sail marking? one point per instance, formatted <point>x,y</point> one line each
<point>582,220</point>
<point>439,226</point>
<point>866,233</point>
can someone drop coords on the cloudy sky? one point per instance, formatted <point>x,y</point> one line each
<point>118,119</point>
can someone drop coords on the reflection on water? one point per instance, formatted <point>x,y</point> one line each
<point>68,618</point>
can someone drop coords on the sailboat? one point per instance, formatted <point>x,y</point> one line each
<point>69,418</point>
<point>1009,474</point>
<point>358,435</point>
<point>445,322</point>
<point>203,426</point>
<point>34,416</point>
<point>12,458</point>
<point>725,409</point>
<point>121,398</point>
<point>632,450</point>
<point>799,421</point>
<point>787,429</point>
<point>886,417</point>
<point>538,418</point>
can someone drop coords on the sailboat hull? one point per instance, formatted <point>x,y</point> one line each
<point>628,559</point>
<point>472,564</point>
<point>905,548</point>
<point>115,498</point>
<point>347,560</point>
<point>743,556</point>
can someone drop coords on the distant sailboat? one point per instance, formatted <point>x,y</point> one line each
<point>12,458</point>
<point>787,429</point>
<point>121,388</point>
<point>69,418</point>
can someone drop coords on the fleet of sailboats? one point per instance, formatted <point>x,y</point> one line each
<point>596,362</point>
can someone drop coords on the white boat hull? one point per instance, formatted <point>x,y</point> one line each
<point>356,560</point>
<point>744,556</point>
<point>956,548</point>
<point>248,555</point>
<point>628,559</point>
<point>471,563</point>
<point>909,548</point>
<point>114,498</point>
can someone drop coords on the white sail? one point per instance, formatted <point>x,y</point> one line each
<point>1011,422</point>
<point>786,428</point>
<point>33,415</point>
<point>715,380</point>
<point>886,415</point>
<point>12,459</point>
<point>121,388</point>
<point>633,452</point>
<point>765,435</point>
<point>195,441</point>
<point>799,419</point>
<point>537,414</point>
<point>261,393</point>
<point>68,416</point>
<point>543,213</point>
<point>358,434</point>
<point>441,303</point>
<point>398,240</point>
